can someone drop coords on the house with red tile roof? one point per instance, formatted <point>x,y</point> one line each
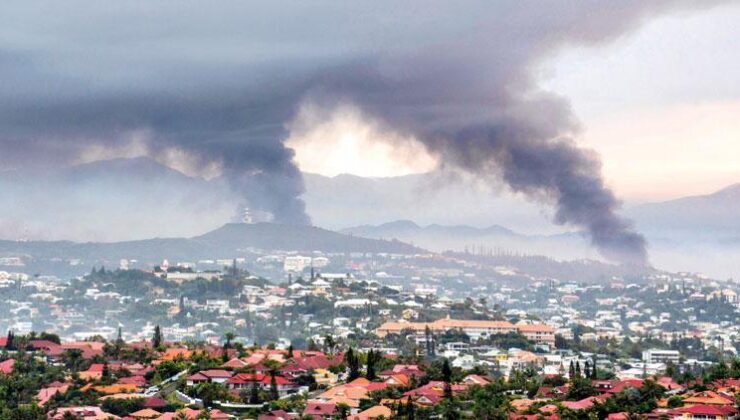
<point>51,349</point>
<point>431,393</point>
<point>704,412</point>
<point>475,380</point>
<point>83,412</point>
<point>89,349</point>
<point>45,394</point>
<point>234,364</point>
<point>245,380</point>
<point>408,370</point>
<point>188,413</point>
<point>320,410</point>
<point>218,376</point>
<point>145,413</point>
<point>137,380</point>
<point>583,404</point>
<point>277,415</point>
<point>6,367</point>
<point>708,398</point>
<point>373,413</point>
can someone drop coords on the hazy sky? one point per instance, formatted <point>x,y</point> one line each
<point>382,88</point>
<point>661,105</point>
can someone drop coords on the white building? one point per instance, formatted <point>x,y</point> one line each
<point>660,356</point>
<point>296,263</point>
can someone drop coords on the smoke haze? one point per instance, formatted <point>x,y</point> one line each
<point>219,87</point>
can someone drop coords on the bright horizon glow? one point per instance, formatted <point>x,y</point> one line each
<point>660,106</point>
<point>658,137</point>
<point>343,141</point>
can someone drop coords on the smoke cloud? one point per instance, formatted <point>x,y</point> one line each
<point>220,86</point>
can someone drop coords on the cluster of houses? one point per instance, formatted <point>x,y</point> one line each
<point>332,393</point>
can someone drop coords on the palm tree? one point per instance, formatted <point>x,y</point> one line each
<point>229,337</point>
<point>329,343</point>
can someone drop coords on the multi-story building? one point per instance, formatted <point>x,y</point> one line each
<point>660,356</point>
<point>475,329</point>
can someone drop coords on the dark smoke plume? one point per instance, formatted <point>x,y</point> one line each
<point>220,84</point>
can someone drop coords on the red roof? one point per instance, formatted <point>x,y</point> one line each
<point>6,367</point>
<point>583,404</point>
<point>96,367</point>
<point>136,380</point>
<point>154,402</point>
<point>707,410</point>
<point>320,408</point>
<point>279,380</point>
<point>727,383</point>
<point>209,374</point>
<point>242,378</point>
<point>49,348</point>
<point>276,415</point>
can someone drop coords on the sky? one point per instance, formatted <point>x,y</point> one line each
<point>575,105</point>
<point>661,106</point>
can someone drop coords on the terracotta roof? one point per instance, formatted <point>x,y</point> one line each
<point>320,408</point>
<point>373,413</point>
<point>277,415</point>
<point>6,367</point>
<point>707,410</point>
<point>146,413</point>
<point>544,328</point>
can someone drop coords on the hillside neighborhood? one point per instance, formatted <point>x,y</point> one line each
<point>422,336</point>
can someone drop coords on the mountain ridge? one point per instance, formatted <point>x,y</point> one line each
<point>228,241</point>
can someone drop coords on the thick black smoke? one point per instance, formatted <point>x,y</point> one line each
<point>243,134</point>
<point>220,84</point>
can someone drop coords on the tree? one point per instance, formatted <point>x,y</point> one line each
<point>429,341</point>
<point>290,351</point>
<point>373,358</point>
<point>353,364</point>
<point>343,410</point>
<point>593,369</point>
<point>106,371</point>
<point>157,338</point>
<point>209,392</point>
<point>447,378</point>
<point>489,402</point>
<point>119,338</point>
<point>580,388</point>
<point>675,401</point>
<point>329,343</point>
<point>9,344</point>
<point>228,338</point>
<point>122,406</point>
<point>311,345</point>
<point>72,359</point>
<point>254,395</point>
<point>275,394</point>
<point>54,338</point>
<point>68,415</point>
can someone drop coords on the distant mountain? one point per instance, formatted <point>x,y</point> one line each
<point>463,237</point>
<point>112,200</point>
<point>714,216</point>
<point>271,236</point>
<point>228,241</point>
<point>407,227</point>
<point>132,199</point>
<point>347,200</point>
<point>698,233</point>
